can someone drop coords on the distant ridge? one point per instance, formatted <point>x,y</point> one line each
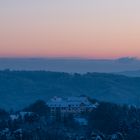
<point>71,65</point>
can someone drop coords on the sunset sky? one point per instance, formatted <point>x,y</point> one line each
<point>70,28</point>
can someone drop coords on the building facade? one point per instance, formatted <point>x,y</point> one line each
<point>70,105</point>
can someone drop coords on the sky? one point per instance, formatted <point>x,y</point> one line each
<point>70,28</point>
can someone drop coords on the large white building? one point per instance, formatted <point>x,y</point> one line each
<point>70,105</point>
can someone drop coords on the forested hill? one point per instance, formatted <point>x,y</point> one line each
<point>20,88</point>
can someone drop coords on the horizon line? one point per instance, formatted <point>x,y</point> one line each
<point>68,58</point>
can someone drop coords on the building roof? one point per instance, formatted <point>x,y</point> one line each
<point>70,101</point>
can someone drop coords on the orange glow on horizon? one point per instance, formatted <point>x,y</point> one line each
<point>70,29</point>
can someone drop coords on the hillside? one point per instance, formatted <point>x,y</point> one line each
<point>130,73</point>
<point>20,88</point>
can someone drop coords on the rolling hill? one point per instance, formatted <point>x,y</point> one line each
<point>130,73</point>
<point>20,88</point>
